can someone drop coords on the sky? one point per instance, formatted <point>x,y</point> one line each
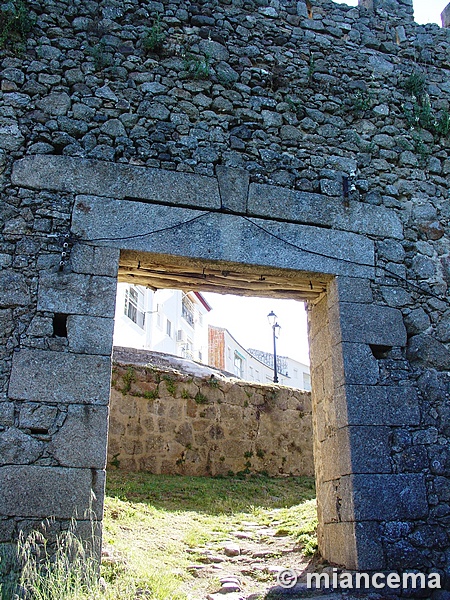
<point>246,320</point>
<point>425,11</point>
<point>429,11</point>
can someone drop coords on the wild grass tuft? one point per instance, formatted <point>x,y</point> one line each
<point>66,572</point>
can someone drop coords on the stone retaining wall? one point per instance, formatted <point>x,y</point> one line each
<point>163,421</point>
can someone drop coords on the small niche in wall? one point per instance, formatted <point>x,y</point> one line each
<point>379,351</point>
<point>60,325</point>
<point>38,431</point>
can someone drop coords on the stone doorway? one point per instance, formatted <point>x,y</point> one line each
<point>179,230</point>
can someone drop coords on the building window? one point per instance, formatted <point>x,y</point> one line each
<point>187,310</point>
<point>200,356</point>
<point>169,328</point>
<point>134,306</point>
<point>238,365</point>
<point>307,381</point>
<point>158,316</point>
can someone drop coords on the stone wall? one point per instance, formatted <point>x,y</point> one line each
<point>306,141</point>
<point>163,421</point>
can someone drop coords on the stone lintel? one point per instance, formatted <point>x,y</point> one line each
<point>377,405</point>
<point>221,237</point>
<point>35,491</point>
<point>316,209</point>
<point>60,377</point>
<point>233,186</point>
<point>112,180</point>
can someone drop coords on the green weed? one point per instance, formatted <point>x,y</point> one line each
<point>16,22</point>
<point>128,379</point>
<point>213,382</point>
<point>115,462</point>
<point>170,384</point>
<point>201,398</point>
<point>299,522</point>
<point>197,67</point>
<point>416,84</point>
<point>361,101</point>
<point>101,58</point>
<point>65,571</point>
<point>296,106</point>
<point>155,37</point>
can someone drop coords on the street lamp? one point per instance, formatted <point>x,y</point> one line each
<point>272,317</point>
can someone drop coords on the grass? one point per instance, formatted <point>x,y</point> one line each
<point>156,527</point>
<point>154,522</point>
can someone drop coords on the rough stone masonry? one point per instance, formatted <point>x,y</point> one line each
<point>297,148</point>
<point>165,419</point>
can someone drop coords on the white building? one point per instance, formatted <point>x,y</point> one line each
<point>169,321</point>
<point>176,322</point>
<point>227,354</point>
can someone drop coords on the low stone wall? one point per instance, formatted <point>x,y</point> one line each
<point>162,421</point>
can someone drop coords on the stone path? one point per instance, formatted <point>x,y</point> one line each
<point>248,563</point>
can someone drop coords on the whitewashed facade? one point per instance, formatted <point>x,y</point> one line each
<point>177,323</point>
<point>169,321</point>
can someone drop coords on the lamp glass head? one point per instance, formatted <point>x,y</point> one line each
<point>272,318</point>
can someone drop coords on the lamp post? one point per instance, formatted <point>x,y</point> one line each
<point>272,317</point>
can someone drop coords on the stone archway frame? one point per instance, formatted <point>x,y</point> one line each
<point>126,217</point>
